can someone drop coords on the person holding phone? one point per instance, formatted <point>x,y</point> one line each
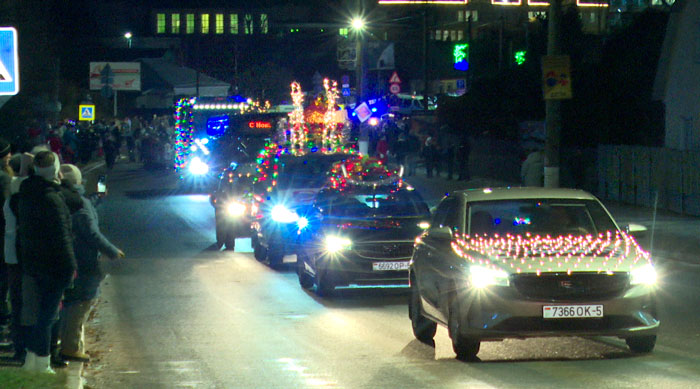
<point>89,244</point>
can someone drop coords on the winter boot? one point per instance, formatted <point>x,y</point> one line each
<point>43,365</point>
<point>29,361</point>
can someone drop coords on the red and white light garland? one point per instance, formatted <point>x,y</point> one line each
<point>552,254</point>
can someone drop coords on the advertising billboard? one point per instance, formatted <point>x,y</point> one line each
<point>118,75</point>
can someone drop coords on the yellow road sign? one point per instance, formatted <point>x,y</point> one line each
<point>556,77</point>
<point>86,112</point>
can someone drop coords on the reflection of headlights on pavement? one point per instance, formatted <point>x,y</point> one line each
<point>333,244</point>
<point>235,208</point>
<point>302,223</point>
<point>482,277</point>
<point>198,167</point>
<point>645,275</point>
<point>281,214</point>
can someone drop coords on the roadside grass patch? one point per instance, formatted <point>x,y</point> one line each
<point>16,378</point>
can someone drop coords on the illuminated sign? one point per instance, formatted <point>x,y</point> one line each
<point>591,3</point>
<point>507,2</point>
<point>460,53</point>
<point>259,124</point>
<point>538,3</point>
<point>455,2</point>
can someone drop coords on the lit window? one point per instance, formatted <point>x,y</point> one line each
<point>190,24</point>
<point>460,16</point>
<point>205,23</point>
<point>460,35</point>
<point>248,22</point>
<point>234,23</point>
<point>453,35</point>
<point>219,23</point>
<point>471,14</point>
<point>160,24</point>
<point>264,25</point>
<point>445,35</point>
<point>175,23</point>
<point>592,16</point>
<point>537,14</point>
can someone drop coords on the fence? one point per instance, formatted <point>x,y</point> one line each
<point>643,175</point>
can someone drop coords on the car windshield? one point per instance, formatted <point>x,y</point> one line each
<point>306,171</point>
<point>536,216</point>
<point>374,205</point>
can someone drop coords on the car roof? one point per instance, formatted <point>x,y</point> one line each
<point>515,193</point>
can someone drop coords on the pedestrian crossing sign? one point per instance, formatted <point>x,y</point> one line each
<point>86,112</point>
<point>9,62</point>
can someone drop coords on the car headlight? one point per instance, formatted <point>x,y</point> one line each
<point>281,214</point>
<point>424,225</point>
<point>198,167</point>
<point>643,275</point>
<point>333,244</point>
<point>302,223</point>
<point>235,208</point>
<point>482,277</point>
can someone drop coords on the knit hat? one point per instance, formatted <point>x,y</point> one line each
<point>4,148</point>
<point>71,174</point>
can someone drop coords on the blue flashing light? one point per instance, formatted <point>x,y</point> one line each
<point>374,109</point>
<point>497,221</point>
<point>313,150</point>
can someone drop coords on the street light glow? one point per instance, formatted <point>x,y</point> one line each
<point>358,24</point>
<point>128,35</point>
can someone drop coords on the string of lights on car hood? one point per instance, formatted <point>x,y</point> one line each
<point>538,254</point>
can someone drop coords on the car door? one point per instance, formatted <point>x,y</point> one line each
<point>434,261</point>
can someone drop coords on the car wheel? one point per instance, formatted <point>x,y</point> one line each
<point>641,344</point>
<point>305,279</point>
<point>275,257</point>
<point>230,242</point>
<point>259,252</point>
<point>423,328</point>
<point>324,283</point>
<point>465,347</point>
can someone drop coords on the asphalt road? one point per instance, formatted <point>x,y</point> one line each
<point>178,314</point>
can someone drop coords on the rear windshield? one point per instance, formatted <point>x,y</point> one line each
<point>552,216</point>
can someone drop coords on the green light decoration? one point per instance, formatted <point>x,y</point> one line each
<point>461,52</point>
<point>519,57</point>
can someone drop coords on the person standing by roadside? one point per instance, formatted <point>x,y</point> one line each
<point>46,251</point>
<point>6,174</point>
<point>532,171</point>
<point>22,164</point>
<point>88,244</point>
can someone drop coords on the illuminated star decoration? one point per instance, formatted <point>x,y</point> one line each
<point>603,253</point>
<point>184,130</point>
<point>330,138</point>
<point>296,117</point>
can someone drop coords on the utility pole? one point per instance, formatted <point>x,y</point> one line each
<point>552,107</point>
<point>425,57</point>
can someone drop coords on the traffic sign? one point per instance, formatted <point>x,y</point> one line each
<point>86,112</point>
<point>363,112</point>
<point>394,79</point>
<point>395,88</point>
<point>556,74</point>
<point>345,79</point>
<point>346,91</point>
<point>9,61</point>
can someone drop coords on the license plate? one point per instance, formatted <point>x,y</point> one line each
<point>379,266</point>
<point>571,311</point>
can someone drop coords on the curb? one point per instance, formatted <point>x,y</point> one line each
<point>74,375</point>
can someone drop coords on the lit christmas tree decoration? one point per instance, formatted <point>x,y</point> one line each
<point>604,253</point>
<point>184,131</point>
<point>329,138</point>
<point>296,117</point>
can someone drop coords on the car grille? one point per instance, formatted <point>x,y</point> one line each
<point>574,287</point>
<point>384,250</point>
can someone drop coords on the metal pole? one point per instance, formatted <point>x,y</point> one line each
<point>552,107</point>
<point>359,68</point>
<point>425,58</point>
<point>115,103</point>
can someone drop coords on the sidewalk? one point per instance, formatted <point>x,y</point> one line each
<point>670,235</point>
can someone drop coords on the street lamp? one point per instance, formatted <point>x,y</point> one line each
<point>358,26</point>
<point>128,37</point>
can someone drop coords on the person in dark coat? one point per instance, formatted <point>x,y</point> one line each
<point>47,255</point>
<point>88,244</point>
<point>6,174</point>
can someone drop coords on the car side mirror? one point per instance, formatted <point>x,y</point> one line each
<point>638,231</point>
<point>440,233</point>
<point>213,198</point>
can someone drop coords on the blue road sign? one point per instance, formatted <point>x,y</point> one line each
<point>346,91</point>
<point>9,61</point>
<point>86,112</point>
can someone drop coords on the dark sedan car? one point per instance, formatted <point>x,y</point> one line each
<point>530,262</point>
<point>361,235</point>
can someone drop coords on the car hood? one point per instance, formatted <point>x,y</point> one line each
<point>296,197</point>
<point>374,229</point>
<point>609,252</point>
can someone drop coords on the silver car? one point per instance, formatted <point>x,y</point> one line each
<point>530,262</point>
